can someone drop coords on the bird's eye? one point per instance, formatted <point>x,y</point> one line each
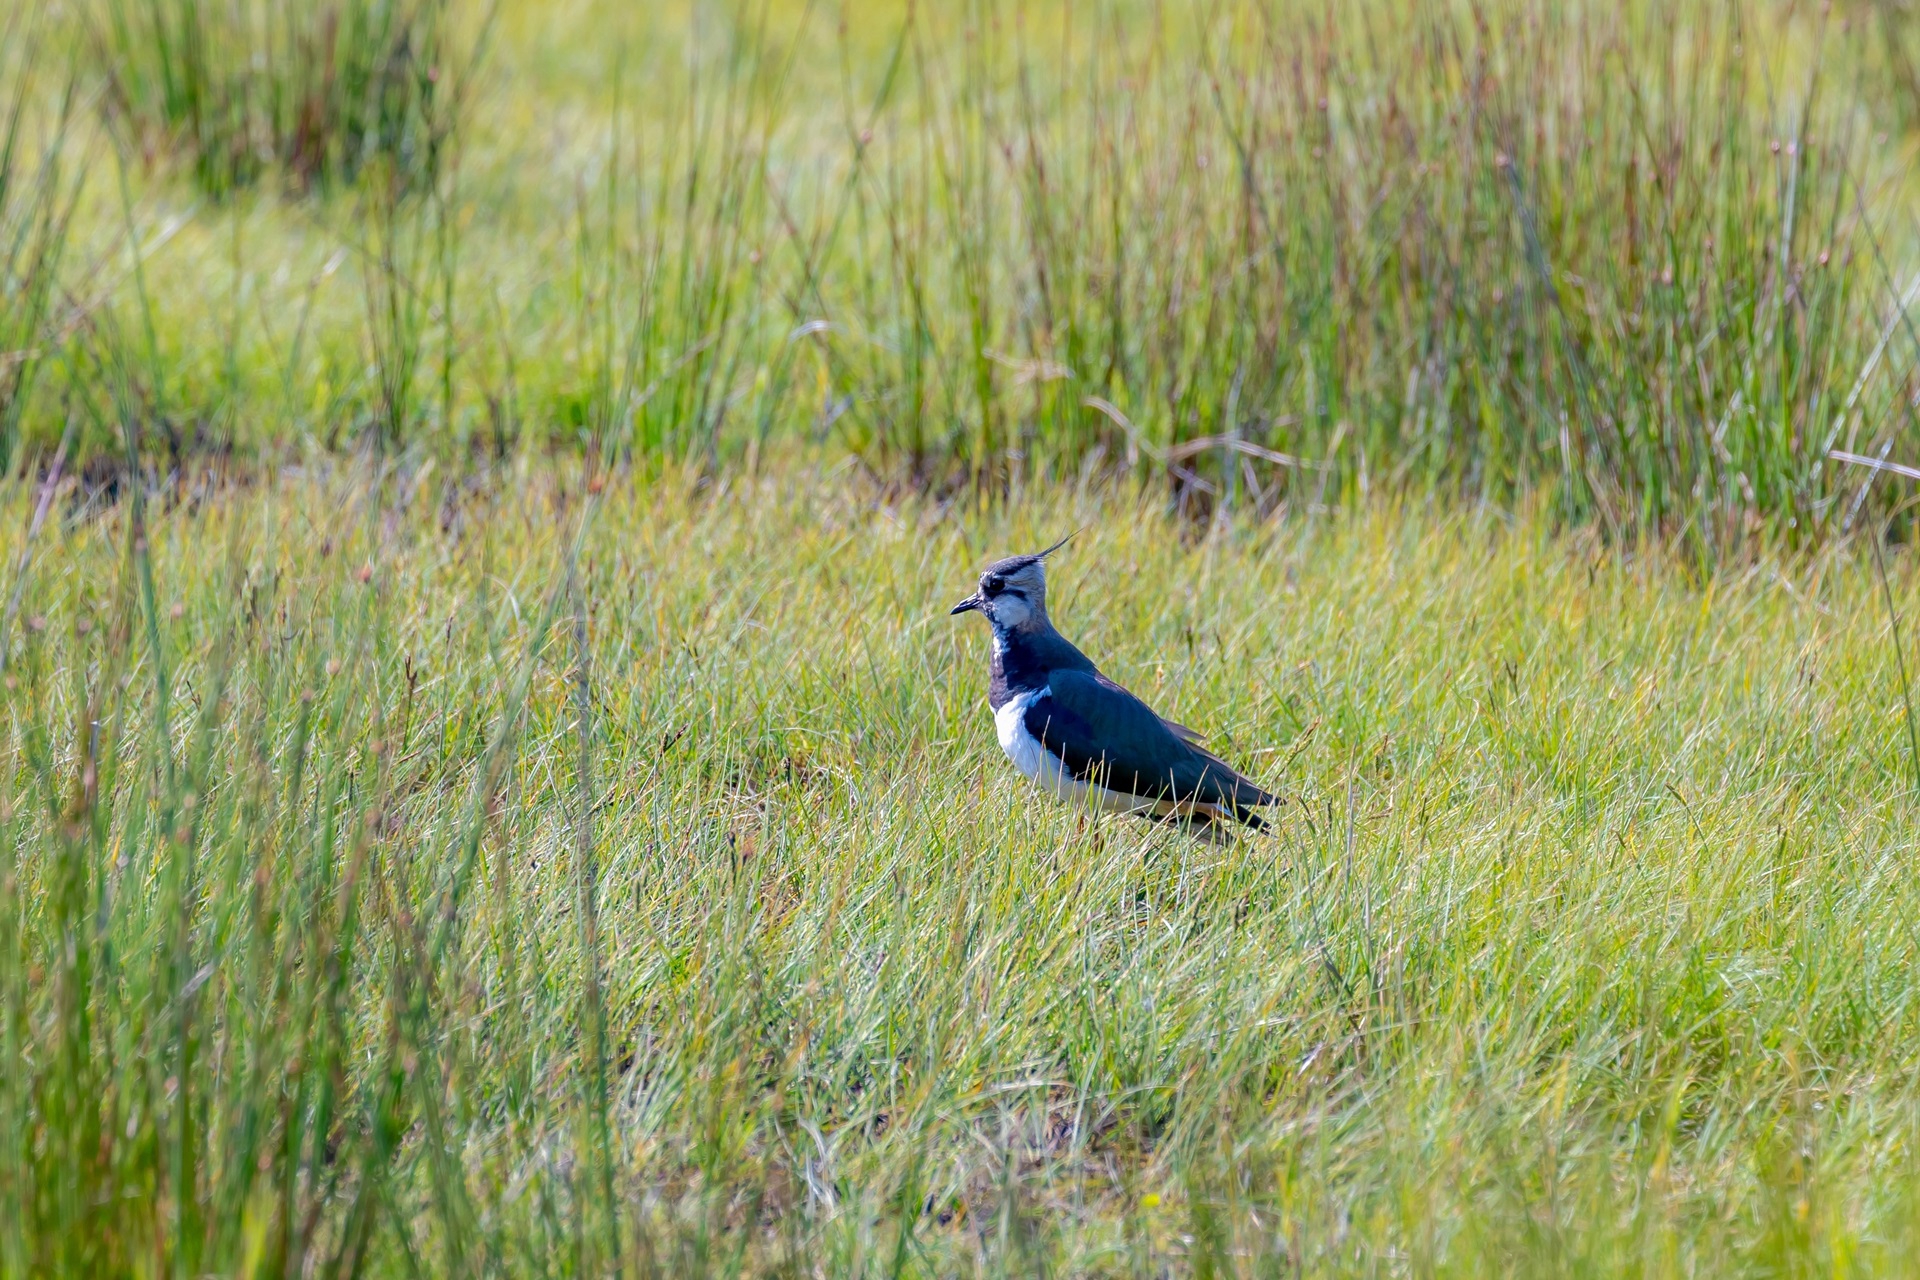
<point>993,584</point>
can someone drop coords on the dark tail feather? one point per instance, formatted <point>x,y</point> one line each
<point>1240,796</point>
<point>1229,786</point>
<point>1241,806</point>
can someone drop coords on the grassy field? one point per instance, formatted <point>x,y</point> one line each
<point>491,785</point>
<point>396,879</point>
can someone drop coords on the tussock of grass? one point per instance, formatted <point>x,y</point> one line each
<point>312,91</point>
<point>395,876</point>
<point>37,195</point>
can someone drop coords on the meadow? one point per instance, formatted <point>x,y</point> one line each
<point>492,786</point>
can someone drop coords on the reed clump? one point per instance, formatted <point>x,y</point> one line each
<point>311,91</point>
<point>1637,257</point>
<point>1649,259</point>
<point>37,195</point>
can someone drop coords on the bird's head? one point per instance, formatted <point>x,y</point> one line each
<point>1013,592</point>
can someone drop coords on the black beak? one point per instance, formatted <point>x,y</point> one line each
<point>969,604</point>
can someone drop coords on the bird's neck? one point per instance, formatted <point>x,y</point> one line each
<point>1025,658</point>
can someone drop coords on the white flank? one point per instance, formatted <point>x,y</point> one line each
<point>1044,769</point>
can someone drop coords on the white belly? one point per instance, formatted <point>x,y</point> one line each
<point>1044,769</point>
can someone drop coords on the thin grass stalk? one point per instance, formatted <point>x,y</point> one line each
<point>1899,659</point>
<point>596,1156</point>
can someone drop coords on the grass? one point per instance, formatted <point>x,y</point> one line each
<point>37,198</point>
<point>491,786</point>
<point>1653,260</point>
<point>311,91</point>
<point>406,875</point>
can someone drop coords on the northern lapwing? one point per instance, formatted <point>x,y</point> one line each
<point>1080,736</point>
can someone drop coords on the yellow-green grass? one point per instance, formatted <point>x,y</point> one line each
<point>406,875</point>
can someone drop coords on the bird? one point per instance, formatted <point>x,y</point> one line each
<point>1082,737</point>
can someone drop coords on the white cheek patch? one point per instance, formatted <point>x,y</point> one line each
<point>1013,611</point>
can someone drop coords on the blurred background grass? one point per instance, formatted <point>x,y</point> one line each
<point>1650,258</point>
